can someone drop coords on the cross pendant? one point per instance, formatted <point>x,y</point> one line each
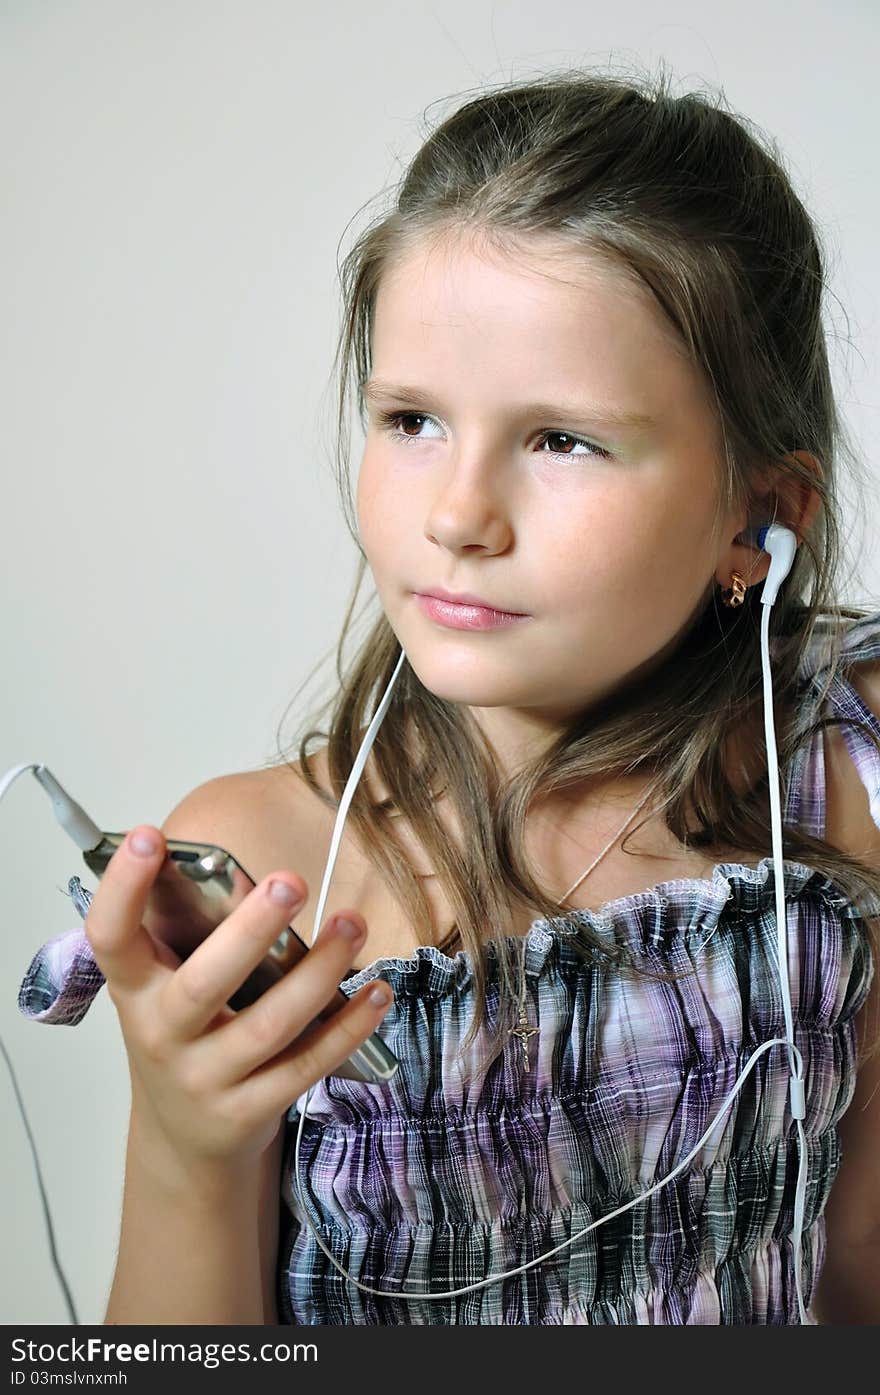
<point>523,1031</point>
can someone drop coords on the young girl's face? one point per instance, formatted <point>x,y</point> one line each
<point>603,535</point>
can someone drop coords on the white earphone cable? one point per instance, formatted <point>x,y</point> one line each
<point>782,545</point>
<point>6,780</point>
<point>795,1058</point>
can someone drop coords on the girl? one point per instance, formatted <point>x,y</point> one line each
<point>588,353</point>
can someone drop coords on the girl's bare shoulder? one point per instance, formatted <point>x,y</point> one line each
<point>269,819</point>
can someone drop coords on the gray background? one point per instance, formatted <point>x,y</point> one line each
<point>176,181</point>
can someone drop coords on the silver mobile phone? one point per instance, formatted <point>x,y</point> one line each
<point>197,887</point>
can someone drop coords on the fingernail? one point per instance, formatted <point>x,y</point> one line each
<point>380,995</point>
<point>283,893</point>
<point>143,844</point>
<point>347,929</point>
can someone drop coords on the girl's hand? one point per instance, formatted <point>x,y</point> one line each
<point>215,1083</point>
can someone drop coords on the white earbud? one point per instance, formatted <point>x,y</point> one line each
<point>781,544</point>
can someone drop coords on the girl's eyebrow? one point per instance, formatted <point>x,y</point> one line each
<point>377,389</point>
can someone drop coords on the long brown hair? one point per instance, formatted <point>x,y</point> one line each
<point>694,203</point>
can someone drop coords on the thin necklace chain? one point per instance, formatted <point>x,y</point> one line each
<point>523,1030</point>
<point>608,846</point>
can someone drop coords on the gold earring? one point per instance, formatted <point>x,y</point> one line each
<point>735,594</point>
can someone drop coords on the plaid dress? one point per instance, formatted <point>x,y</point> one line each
<point>457,1170</point>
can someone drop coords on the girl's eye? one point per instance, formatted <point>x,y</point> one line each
<point>573,440</point>
<point>390,422</point>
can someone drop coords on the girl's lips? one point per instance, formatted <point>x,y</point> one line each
<point>465,617</point>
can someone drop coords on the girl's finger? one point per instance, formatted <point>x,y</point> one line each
<point>265,1027</point>
<point>217,968</point>
<point>124,950</point>
<point>271,1089</point>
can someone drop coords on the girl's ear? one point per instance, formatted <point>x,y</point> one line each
<point>790,501</point>
<point>800,501</point>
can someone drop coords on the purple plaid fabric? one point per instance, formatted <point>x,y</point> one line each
<point>455,1170</point>
<point>460,1168</point>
